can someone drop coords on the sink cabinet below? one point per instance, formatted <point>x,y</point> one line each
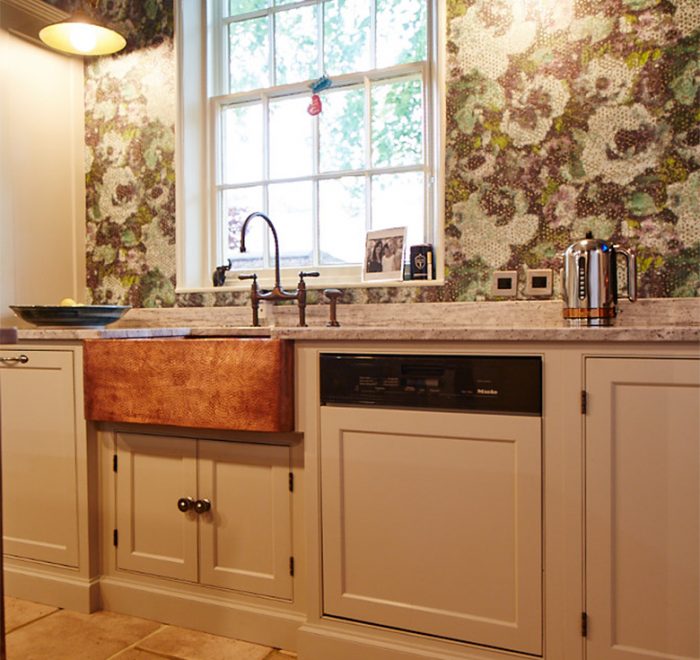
<point>242,542</point>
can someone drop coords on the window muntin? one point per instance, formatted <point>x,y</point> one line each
<point>363,163</point>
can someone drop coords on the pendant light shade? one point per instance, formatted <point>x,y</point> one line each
<point>80,35</point>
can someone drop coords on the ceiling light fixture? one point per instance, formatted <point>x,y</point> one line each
<point>80,35</point>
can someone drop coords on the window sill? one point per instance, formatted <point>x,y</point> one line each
<point>314,285</point>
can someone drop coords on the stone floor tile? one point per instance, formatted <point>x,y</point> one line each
<point>136,654</point>
<point>20,612</point>
<point>68,635</point>
<point>194,645</point>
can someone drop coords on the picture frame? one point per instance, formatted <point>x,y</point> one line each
<point>384,255</point>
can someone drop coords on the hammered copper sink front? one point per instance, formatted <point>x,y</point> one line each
<point>227,383</point>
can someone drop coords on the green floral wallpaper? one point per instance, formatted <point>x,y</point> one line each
<point>563,116</point>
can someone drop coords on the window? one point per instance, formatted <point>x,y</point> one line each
<point>366,161</point>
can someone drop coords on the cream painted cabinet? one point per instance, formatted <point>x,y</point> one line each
<point>39,455</point>
<point>242,541</point>
<point>432,522</point>
<point>642,508</point>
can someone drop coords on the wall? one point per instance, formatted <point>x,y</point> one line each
<point>562,117</point>
<point>42,191</point>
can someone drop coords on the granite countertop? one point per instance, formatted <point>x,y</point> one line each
<point>649,320</point>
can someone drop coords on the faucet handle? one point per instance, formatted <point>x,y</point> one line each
<point>304,274</point>
<point>252,276</point>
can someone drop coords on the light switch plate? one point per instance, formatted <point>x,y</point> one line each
<point>538,282</point>
<point>504,283</point>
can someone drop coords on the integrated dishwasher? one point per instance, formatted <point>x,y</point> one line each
<point>431,491</point>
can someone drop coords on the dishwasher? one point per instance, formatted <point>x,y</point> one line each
<point>431,495</point>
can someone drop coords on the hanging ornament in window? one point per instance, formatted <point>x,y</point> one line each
<point>315,107</point>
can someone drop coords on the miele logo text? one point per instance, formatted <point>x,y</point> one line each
<point>481,390</point>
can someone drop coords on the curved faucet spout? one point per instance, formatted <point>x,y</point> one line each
<point>274,235</point>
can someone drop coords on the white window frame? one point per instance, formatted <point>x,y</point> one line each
<point>198,227</point>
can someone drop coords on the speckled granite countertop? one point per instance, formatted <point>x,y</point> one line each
<point>649,320</point>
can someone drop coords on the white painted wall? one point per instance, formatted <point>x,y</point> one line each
<point>42,180</point>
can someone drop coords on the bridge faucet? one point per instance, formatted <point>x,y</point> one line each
<point>277,292</point>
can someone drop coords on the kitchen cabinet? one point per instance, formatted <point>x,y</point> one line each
<point>39,445</point>
<point>49,478</point>
<point>432,522</point>
<point>642,462</point>
<point>242,541</point>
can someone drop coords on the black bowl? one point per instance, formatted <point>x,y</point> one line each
<point>82,316</point>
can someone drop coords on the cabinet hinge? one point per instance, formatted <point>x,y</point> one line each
<point>291,482</point>
<point>291,566</point>
<point>115,537</point>
<point>584,402</point>
<point>114,463</point>
<point>584,624</point>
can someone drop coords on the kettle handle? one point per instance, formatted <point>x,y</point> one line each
<point>631,271</point>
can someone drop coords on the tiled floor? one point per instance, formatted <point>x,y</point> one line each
<point>40,632</point>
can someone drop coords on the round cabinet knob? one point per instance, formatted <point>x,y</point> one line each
<point>185,504</point>
<point>202,506</point>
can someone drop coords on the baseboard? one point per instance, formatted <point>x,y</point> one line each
<point>42,586</point>
<point>324,641</point>
<point>223,616</point>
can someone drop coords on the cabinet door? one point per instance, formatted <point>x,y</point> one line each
<point>245,539</point>
<point>155,537</point>
<point>39,476</point>
<point>432,522</point>
<point>643,509</point>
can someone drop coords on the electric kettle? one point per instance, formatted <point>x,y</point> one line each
<point>589,281</point>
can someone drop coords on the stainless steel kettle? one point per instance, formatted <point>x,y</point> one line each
<point>589,281</point>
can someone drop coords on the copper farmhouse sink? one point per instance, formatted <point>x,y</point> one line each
<point>241,384</point>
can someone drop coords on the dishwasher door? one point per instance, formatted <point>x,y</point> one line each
<point>432,522</point>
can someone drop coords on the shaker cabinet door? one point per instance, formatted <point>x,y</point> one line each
<point>246,537</point>
<point>39,474</point>
<point>154,535</point>
<point>643,508</point>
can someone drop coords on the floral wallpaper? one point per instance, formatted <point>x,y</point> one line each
<point>563,116</point>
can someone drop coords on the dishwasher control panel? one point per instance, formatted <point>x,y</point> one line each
<point>473,383</point>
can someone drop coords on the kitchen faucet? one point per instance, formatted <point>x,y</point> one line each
<point>277,292</point>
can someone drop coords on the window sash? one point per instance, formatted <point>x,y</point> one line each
<point>418,71</point>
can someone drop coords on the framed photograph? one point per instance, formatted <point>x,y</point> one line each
<point>384,251</point>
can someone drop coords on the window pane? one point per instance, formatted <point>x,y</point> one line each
<point>242,136</point>
<point>342,220</point>
<point>290,138</point>
<point>249,55</point>
<point>296,45</point>
<point>237,205</point>
<point>397,123</point>
<point>342,131</point>
<point>347,31</point>
<point>401,31</point>
<point>236,7</point>
<point>290,210</point>
<point>397,201</point>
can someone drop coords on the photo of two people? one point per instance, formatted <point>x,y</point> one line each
<point>384,251</point>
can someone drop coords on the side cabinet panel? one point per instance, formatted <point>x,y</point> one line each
<point>431,522</point>
<point>643,508</point>
<point>39,474</point>
<point>155,537</point>
<point>245,540</point>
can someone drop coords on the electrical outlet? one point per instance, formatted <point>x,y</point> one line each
<point>538,282</point>
<point>504,283</point>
